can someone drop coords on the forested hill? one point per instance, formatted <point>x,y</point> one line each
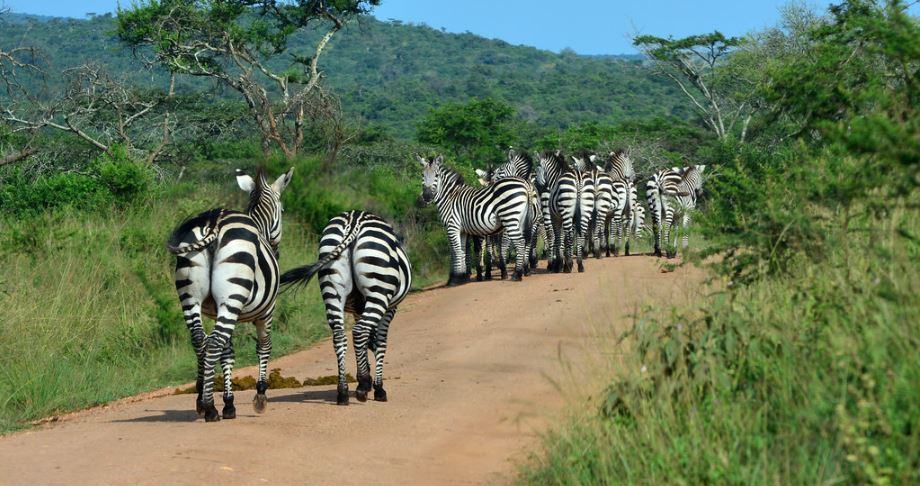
<point>392,74</point>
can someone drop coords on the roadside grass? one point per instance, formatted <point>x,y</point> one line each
<point>807,378</point>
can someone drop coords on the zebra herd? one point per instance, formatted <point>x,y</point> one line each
<point>227,261</point>
<point>573,203</point>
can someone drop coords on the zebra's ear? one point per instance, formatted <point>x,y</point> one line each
<point>701,168</point>
<point>599,168</point>
<point>282,181</point>
<point>592,157</point>
<point>439,159</point>
<point>245,182</point>
<point>421,160</point>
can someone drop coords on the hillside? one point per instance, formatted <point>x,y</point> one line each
<point>391,74</point>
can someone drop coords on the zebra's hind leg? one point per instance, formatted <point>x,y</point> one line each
<point>362,332</point>
<point>214,348</point>
<point>192,314</point>
<point>263,351</point>
<point>227,360</point>
<point>479,253</point>
<point>380,350</point>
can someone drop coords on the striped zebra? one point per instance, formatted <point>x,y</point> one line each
<point>362,270</point>
<point>518,165</point>
<point>571,206</point>
<point>227,269</point>
<point>478,211</point>
<point>619,167</point>
<point>673,193</point>
<point>546,179</point>
<point>604,205</point>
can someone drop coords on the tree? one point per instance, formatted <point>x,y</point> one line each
<point>235,42</point>
<point>695,63</point>
<point>476,131</point>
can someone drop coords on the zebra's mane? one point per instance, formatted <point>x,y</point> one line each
<point>555,159</point>
<point>259,190</point>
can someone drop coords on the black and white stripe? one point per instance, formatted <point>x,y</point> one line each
<point>478,211</point>
<point>227,269</point>
<point>362,270</point>
<point>673,193</point>
<point>546,179</point>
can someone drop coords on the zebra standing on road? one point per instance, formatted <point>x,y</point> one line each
<point>362,270</point>
<point>671,193</point>
<point>478,211</point>
<point>546,179</point>
<point>227,269</point>
<point>518,165</point>
<point>572,204</point>
<point>620,169</point>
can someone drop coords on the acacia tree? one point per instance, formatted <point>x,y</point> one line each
<point>235,42</point>
<point>694,64</point>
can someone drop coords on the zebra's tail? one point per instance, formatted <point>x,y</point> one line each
<point>209,219</point>
<point>303,275</point>
<point>185,248</point>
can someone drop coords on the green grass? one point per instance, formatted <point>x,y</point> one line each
<point>807,378</point>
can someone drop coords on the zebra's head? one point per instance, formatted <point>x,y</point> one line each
<point>620,166</point>
<point>552,163</point>
<point>431,176</point>
<point>265,203</point>
<point>485,177</point>
<point>583,162</point>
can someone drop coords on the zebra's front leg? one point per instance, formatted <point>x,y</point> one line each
<point>380,338</point>
<point>214,348</point>
<point>458,270</point>
<point>263,351</point>
<point>686,234</point>
<point>227,360</point>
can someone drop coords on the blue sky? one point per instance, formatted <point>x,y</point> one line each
<point>587,26</point>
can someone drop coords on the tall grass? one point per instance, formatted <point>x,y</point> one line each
<point>807,378</point>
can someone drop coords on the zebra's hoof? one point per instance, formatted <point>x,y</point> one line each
<point>199,407</point>
<point>259,402</point>
<point>342,396</point>
<point>581,267</point>
<point>479,277</point>
<point>504,275</point>
<point>457,280</point>
<point>488,275</point>
<point>380,395</point>
<point>517,276</point>
<point>210,413</point>
<point>364,386</point>
<point>229,411</point>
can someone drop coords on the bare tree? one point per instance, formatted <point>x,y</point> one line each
<point>233,41</point>
<point>100,110</point>
<point>693,63</point>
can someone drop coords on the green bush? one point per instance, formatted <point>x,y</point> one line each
<point>126,179</point>
<point>23,196</point>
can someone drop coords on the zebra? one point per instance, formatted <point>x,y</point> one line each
<point>227,269</point>
<point>362,270</point>
<point>619,168</point>
<point>518,165</point>
<point>571,206</point>
<point>484,211</point>
<point>546,179</point>
<point>604,205</point>
<point>673,192</point>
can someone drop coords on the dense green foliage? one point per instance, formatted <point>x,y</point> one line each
<point>801,368</point>
<point>390,75</point>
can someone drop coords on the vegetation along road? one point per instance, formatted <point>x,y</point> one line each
<point>475,372</point>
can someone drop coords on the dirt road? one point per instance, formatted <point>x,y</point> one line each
<point>472,379</point>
